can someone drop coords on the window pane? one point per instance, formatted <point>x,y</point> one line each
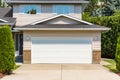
<point>63,9</point>
<point>30,9</point>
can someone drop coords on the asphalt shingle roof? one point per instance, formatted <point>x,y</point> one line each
<point>5,12</point>
<point>10,21</point>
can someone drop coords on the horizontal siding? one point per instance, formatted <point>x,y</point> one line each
<point>46,8</point>
<point>15,8</point>
<point>77,9</point>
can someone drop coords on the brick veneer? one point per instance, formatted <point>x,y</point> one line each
<point>27,56</point>
<point>96,57</point>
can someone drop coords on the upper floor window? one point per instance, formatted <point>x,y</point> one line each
<point>30,9</point>
<point>63,9</point>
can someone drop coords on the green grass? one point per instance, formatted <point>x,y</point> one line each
<point>111,66</point>
<point>16,66</point>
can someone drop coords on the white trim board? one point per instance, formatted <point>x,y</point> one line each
<point>100,29</point>
<point>3,20</point>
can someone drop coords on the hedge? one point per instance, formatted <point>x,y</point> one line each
<point>117,56</point>
<point>109,38</point>
<point>7,61</point>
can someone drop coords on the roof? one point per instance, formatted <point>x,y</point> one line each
<point>7,21</point>
<point>61,15</point>
<point>62,27</point>
<point>47,1</point>
<point>5,12</point>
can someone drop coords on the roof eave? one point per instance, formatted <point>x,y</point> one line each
<point>88,29</point>
<point>12,2</point>
<point>7,23</point>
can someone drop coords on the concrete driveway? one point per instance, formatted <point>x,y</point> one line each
<point>62,72</point>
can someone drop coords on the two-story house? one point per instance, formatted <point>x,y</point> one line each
<point>52,31</point>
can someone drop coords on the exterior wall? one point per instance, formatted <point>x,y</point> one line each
<point>25,19</point>
<point>27,56</point>
<point>96,57</point>
<point>95,35</point>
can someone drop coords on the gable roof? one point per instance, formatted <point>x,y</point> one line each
<point>5,12</point>
<point>7,21</point>
<point>47,1</point>
<point>61,15</point>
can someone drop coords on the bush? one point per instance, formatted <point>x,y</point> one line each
<point>7,61</point>
<point>109,38</point>
<point>117,56</point>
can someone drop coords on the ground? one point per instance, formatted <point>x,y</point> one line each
<point>111,65</point>
<point>62,72</point>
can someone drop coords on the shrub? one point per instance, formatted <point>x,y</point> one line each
<point>7,61</point>
<point>109,38</point>
<point>117,56</point>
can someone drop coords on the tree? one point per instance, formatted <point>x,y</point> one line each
<point>117,56</point>
<point>92,7</point>
<point>7,59</point>
<point>110,6</point>
<point>0,3</point>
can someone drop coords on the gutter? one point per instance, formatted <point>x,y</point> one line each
<point>9,1</point>
<point>95,29</point>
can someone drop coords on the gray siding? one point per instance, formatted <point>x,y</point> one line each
<point>46,8</point>
<point>16,8</point>
<point>77,9</point>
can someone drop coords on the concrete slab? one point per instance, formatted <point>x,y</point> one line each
<point>62,72</point>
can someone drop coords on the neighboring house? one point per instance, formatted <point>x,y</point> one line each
<point>6,17</point>
<point>52,31</point>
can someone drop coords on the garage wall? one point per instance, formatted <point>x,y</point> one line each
<point>96,35</point>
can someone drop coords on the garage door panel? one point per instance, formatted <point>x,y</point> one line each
<point>63,50</point>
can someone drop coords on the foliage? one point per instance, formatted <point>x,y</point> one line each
<point>0,3</point>
<point>33,11</point>
<point>110,6</point>
<point>111,65</point>
<point>109,38</point>
<point>103,7</point>
<point>92,7</point>
<point>117,56</point>
<point>7,61</point>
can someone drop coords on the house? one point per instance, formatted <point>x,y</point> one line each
<point>6,17</point>
<point>52,31</point>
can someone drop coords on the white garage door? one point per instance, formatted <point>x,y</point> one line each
<point>61,50</point>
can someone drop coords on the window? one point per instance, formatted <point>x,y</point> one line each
<point>30,9</point>
<point>63,9</point>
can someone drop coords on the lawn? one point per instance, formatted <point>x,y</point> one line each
<point>112,65</point>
